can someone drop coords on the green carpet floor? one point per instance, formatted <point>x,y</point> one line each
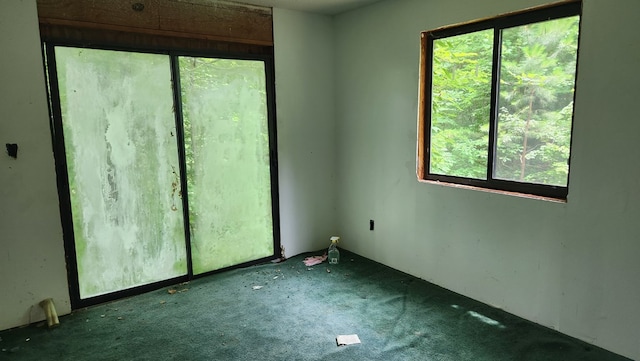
<point>296,315</point>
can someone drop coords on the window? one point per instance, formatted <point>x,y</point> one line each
<point>497,101</point>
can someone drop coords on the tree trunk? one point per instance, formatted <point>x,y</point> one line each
<point>525,136</point>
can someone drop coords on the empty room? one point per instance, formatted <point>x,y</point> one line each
<point>173,173</point>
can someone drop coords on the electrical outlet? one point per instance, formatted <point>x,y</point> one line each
<point>371,224</point>
<point>12,150</point>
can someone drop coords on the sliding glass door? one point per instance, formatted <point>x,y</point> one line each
<point>224,104</point>
<point>167,162</point>
<point>122,164</point>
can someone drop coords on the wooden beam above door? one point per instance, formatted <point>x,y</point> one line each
<point>189,20</point>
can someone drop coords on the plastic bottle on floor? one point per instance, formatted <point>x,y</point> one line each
<point>333,254</point>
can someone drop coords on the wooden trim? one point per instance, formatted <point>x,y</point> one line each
<point>233,22</point>
<point>495,191</point>
<point>179,20</point>
<point>422,103</point>
<point>46,22</point>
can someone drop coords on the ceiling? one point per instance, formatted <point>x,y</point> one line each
<point>329,7</point>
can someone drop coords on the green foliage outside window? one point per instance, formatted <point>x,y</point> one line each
<point>536,67</point>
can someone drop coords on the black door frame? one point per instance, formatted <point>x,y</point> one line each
<point>62,176</point>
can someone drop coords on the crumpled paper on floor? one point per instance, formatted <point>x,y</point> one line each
<point>344,340</point>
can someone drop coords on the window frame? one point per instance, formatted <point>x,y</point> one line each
<point>60,158</point>
<point>528,16</point>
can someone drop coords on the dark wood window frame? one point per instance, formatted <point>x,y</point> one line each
<point>491,184</point>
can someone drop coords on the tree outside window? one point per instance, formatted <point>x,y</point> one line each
<point>498,101</point>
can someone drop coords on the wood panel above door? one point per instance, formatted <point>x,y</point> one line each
<point>181,24</point>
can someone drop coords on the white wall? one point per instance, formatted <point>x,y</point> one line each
<point>306,129</point>
<point>32,265</point>
<point>572,267</point>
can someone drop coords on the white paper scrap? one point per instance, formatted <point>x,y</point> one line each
<point>347,339</point>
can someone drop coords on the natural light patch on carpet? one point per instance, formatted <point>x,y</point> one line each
<point>485,319</point>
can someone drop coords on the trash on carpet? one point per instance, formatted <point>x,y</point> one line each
<point>314,260</point>
<point>257,287</point>
<point>344,340</point>
<point>173,291</point>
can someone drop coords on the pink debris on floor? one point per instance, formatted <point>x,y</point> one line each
<point>314,260</point>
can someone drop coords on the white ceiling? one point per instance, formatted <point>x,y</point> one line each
<point>329,7</point>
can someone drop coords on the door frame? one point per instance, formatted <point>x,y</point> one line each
<point>62,176</point>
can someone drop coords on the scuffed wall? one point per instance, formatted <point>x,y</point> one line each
<point>32,265</point>
<point>306,129</point>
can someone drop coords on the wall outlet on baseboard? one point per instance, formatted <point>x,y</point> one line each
<point>371,224</point>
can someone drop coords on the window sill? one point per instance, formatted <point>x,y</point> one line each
<point>489,190</point>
